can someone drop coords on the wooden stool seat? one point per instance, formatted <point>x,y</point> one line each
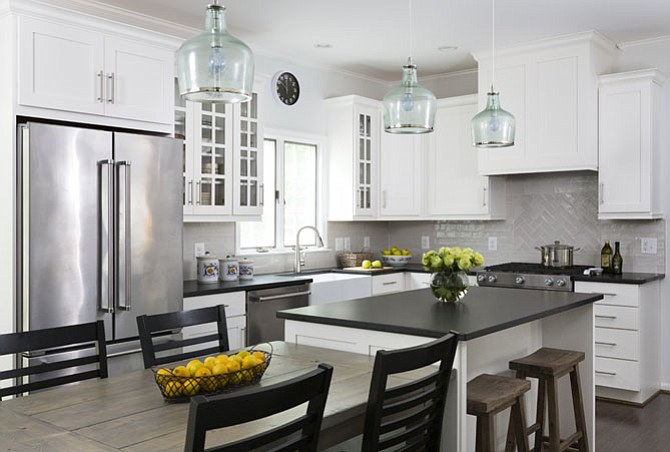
<point>548,365</point>
<point>491,394</point>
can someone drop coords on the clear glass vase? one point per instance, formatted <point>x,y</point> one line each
<point>449,286</point>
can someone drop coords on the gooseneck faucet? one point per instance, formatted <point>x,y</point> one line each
<point>298,261</point>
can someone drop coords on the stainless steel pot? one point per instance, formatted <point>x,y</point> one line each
<point>557,255</point>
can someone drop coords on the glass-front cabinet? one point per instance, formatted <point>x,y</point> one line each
<point>365,162</point>
<point>222,161</point>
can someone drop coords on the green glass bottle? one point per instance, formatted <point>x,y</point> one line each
<point>606,257</point>
<point>617,260</point>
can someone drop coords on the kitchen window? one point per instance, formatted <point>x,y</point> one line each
<point>291,196</point>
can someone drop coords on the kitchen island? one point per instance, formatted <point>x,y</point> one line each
<point>494,325</point>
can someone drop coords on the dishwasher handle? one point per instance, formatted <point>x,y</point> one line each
<point>280,296</point>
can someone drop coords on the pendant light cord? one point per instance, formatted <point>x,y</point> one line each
<point>493,43</point>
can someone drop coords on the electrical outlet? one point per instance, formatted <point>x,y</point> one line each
<point>493,243</point>
<point>425,242</point>
<point>339,243</point>
<point>649,245</point>
<point>199,249</point>
<point>347,244</point>
<point>366,242</point>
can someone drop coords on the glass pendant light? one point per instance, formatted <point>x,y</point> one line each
<point>493,127</point>
<point>215,66</point>
<point>409,107</point>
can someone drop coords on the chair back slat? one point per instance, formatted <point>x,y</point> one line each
<point>153,327</point>
<point>299,434</point>
<point>412,413</point>
<point>87,338</point>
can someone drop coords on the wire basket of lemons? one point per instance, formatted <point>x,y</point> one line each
<point>211,375</point>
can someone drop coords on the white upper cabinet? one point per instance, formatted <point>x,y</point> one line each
<point>551,87</point>
<point>353,153</point>
<point>248,159</point>
<point>75,69</point>
<point>454,189</point>
<point>630,156</point>
<point>401,178</point>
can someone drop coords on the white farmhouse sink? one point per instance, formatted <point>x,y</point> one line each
<point>330,287</point>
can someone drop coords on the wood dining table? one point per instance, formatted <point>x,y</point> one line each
<point>128,412</point>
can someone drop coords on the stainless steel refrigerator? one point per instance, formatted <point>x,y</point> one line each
<point>100,230</point>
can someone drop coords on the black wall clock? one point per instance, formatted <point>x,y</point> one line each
<point>286,88</point>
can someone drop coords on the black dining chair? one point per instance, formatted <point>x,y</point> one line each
<point>157,338</point>
<point>298,434</point>
<point>409,417</point>
<point>67,354</point>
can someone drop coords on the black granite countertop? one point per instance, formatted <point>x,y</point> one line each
<point>625,278</point>
<point>484,310</point>
<point>195,289</point>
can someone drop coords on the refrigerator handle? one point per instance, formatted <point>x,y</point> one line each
<point>106,235</point>
<point>123,275</point>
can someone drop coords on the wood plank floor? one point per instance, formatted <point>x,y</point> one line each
<point>622,428</point>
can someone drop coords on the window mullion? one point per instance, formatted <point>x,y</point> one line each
<point>279,186</point>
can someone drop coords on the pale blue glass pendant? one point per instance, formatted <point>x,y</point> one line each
<point>409,107</point>
<point>493,127</point>
<point>215,66</point>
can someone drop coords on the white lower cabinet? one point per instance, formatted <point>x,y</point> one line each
<point>236,316</point>
<point>417,280</point>
<point>388,283</point>
<point>627,345</point>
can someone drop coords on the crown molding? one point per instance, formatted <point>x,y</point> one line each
<point>644,42</point>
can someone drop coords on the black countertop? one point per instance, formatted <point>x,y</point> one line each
<point>483,311</point>
<point>195,289</point>
<point>625,278</point>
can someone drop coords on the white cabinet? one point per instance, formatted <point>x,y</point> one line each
<point>630,150</point>
<point>223,159</point>
<point>401,178</point>
<point>388,283</point>
<point>627,351</point>
<point>417,280</point>
<point>72,68</point>
<point>551,87</point>
<point>455,190</point>
<point>353,150</point>
<point>236,320</point>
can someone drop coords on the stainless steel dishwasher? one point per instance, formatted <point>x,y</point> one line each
<point>262,306</point>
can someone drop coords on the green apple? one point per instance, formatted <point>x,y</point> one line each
<point>366,264</point>
<point>377,264</point>
<point>397,252</point>
<point>405,252</point>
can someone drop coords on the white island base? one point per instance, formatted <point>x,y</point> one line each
<point>491,353</point>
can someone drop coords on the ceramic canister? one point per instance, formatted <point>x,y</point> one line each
<point>208,269</point>
<point>246,269</point>
<point>229,269</point>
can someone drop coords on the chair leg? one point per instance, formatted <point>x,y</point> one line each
<point>519,416</point>
<point>489,435</point>
<point>539,414</point>
<point>554,425</point>
<point>578,407</point>
<point>510,443</point>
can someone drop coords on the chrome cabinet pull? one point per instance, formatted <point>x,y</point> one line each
<point>197,192</point>
<point>282,296</point>
<point>111,88</point>
<point>101,85</point>
<point>261,190</point>
<point>384,199</point>
<point>609,344</point>
<point>608,317</point>
<point>602,372</point>
<point>389,283</point>
<point>604,293</point>
<point>124,272</point>
<point>106,235</point>
<point>484,198</point>
<point>190,193</point>
<point>601,193</point>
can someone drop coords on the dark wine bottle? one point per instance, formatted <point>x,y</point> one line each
<point>617,260</point>
<point>606,257</point>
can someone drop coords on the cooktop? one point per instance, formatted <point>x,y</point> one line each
<point>526,267</point>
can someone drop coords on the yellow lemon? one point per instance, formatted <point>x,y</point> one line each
<point>249,361</point>
<point>243,354</point>
<point>219,368</point>
<point>237,358</point>
<point>173,389</point>
<point>181,371</point>
<point>209,362</point>
<point>163,376</point>
<point>191,387</point>
<point>233,366</point>
<point>202,372</point>
<point>222,358</point>
<point>260,356</point>
<point>193,365</point>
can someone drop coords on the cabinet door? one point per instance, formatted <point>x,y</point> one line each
<point>248,159</point>
<point>366,127</point>
<point>237,329</point>
<point>400,175</point>
<point>454,186</point>
<point>138,81</point>
<point>625,149</point>
<point>60,67</point>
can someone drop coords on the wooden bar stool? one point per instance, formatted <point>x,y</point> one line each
<point>548,365</point>
<point>489,395</point>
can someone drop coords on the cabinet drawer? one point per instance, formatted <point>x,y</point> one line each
<point>615,294</point>
<point>235,302</point>
<point>615,373</point>
<point>621,317</point>
<point>620,344</point>
<point>392,282</point>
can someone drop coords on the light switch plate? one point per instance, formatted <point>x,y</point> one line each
<point>347,244</point>
<point>425,242</point>
<point>199,249</point>
<point>366,242</point>
<point>493,243</point>
<point>649,245</point>
<point>339,243</point>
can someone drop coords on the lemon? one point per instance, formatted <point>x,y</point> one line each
<point>376,264</point>
<point>181,371</point>
<point>233,366</point>
<point>260,356</point>
<point>202,372</point>
<point>163,376</point>
<point>249,361</point>
<point>366,264</point>
<point>236,358</point>
<point>210,362</point>
<point>222,358</point>
<point>193,365</point>
<point>173,389</point>
<point>243,354</point>
<point>219,368</point>
<point>191,387</point>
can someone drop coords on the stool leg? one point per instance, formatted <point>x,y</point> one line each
<point>518,417</point>
<point>489,435</point>
<point>554,425</point>
<point>510,443</point>
<point>539,414</point>
<point>578,406</point>
<point>480,432</point>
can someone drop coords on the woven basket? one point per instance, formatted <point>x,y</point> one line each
<point>352,259</point>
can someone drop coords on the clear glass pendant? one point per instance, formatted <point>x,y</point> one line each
<point>409,108</point>
<point>493,127</point>
<point>215,66</point>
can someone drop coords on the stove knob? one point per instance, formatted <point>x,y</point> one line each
<point>493,278</point>
<point>481,277</point>
<point>548,282</point>
<point>560,283</point>
<point>519,280</point>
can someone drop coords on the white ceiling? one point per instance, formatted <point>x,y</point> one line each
<point>371,37</point>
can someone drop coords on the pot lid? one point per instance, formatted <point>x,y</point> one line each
<point>206,256</point>
<point>557,245</point>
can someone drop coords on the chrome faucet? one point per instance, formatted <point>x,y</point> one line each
<point>299,261</point>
